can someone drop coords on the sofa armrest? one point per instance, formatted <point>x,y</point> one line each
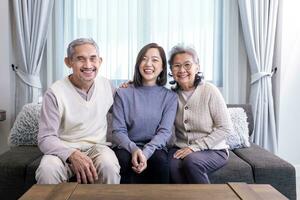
<point>13,165</point>
<point>270,169</point>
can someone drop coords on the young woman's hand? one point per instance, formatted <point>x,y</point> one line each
<point>139,161</point>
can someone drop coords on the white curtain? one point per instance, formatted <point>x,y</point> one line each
<point>122,27</point>
<point>259,19</point>
<point>31,20</point>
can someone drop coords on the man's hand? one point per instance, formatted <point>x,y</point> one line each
<point>125,84</point>
<point>83,167</point>
<point>139,161</point>
<point>182,153</point>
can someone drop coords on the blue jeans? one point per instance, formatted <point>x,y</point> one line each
<point>195,166</point>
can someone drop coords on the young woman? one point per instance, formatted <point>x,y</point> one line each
<point>143,116</point>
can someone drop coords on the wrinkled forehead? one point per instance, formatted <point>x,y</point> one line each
<point>183,57</point>
<point>85,50</point>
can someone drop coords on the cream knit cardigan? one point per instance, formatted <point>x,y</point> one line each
<point>202,121</point>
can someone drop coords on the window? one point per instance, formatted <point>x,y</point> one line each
<point>122,27</point>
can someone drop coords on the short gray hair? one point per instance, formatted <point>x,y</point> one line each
<point>80,41</point>
<point>181,48</point>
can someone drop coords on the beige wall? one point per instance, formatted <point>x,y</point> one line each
<point>6,74</point>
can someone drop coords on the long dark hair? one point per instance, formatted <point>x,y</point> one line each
<point>162,78</point>
<point>180,49</point>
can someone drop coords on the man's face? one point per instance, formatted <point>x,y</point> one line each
<point>85,63</point>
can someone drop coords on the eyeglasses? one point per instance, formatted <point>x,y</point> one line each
<point>187,66</point>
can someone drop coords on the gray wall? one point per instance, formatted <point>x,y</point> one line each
<point>6,74</point>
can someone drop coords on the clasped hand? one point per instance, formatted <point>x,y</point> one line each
<point>83,167</point>
<point>139,161</point>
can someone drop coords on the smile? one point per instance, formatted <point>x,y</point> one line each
<point>90,70</point>
<point>182,75</point>
<point>148,71</point>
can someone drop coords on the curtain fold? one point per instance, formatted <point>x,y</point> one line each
<point>122,27</point>
<point>259,18</point>
<point>31,20</point>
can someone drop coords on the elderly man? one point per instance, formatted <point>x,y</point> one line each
<point>72,130</point>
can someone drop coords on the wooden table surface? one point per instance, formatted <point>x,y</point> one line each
<point>74,191</point>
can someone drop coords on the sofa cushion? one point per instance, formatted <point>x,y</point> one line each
<point>236,170</point>
<point>248,109</point>
<point>239,137</point>
<point>26,126</point>
<point>270,169</point>
<point>13,165</point>
<point>30,172</point>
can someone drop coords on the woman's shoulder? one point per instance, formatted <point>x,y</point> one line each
<point>125,91</point>
<point>169,92</point>
<point>207,86</point>
<point>212,91</point>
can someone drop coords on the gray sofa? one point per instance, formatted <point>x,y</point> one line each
<point>251,165</point>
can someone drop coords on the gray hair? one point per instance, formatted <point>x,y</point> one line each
<point>181,48</point>
<point>80,41</point>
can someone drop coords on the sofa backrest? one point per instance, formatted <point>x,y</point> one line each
<point>25,133</point>
<point>248,110</point>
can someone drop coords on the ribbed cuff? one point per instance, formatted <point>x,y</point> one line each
<point>66,154</point>
<point>147,152</point>
<point>200,146</point>
<point>132,147</point>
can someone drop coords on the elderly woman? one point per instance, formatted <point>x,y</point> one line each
<point>202,121</point>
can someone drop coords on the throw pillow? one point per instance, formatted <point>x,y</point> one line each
<point>240,136</point>
<point>26,126</point>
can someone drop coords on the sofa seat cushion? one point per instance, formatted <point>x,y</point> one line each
<point>13,164</point>
<point>236,170</point>
<point>270,169</point>
<point>30,172</point>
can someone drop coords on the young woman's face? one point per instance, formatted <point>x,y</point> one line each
<point>184,70</point>
<point>151,67</point>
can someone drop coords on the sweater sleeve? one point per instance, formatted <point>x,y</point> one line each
<point>221,120</point>
<point>48,140</point>
<point>120,133</point>
<point>164,130</point>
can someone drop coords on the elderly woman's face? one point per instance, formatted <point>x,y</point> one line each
<point>184,70</point>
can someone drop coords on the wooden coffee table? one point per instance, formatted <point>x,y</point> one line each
<point>74,191</point>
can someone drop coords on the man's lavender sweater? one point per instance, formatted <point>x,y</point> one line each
<point>143,118</point>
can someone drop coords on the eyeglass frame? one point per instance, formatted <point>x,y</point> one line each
<point>177,66</point>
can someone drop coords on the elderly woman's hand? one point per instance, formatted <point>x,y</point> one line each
<point>182,153</point>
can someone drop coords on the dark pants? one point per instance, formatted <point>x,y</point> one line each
<point>195,166</point>
<point>157,170</point>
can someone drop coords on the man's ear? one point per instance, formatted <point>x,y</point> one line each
<point>100,60</point>
<point>68,62</point>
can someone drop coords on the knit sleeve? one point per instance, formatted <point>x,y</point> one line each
<point>221,121</point>
<point>120,133</point>
<point>48,140</point>
<point>164,130</point>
